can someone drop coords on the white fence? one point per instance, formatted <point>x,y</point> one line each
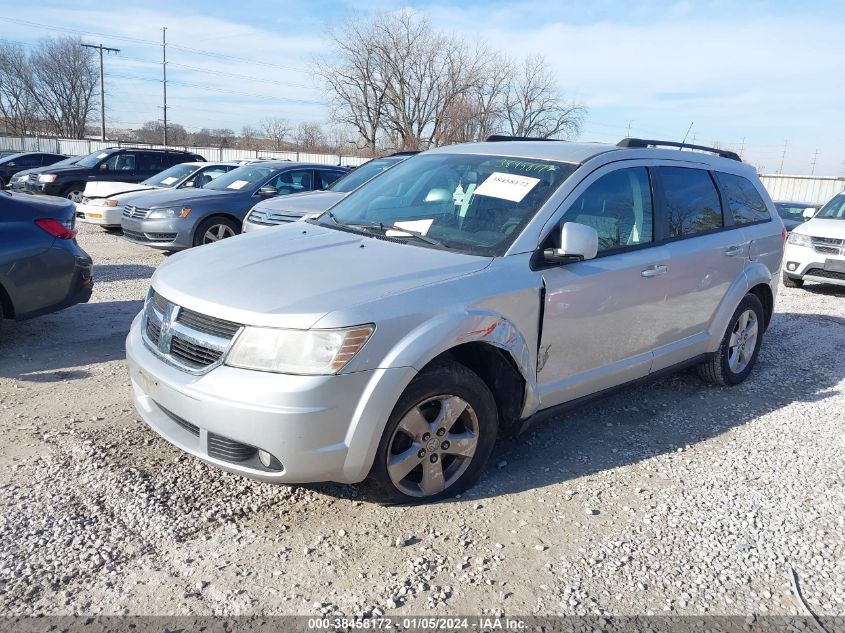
<point>77,147</point>
<point>809,189</point>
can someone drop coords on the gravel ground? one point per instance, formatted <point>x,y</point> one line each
<point>673,497</point>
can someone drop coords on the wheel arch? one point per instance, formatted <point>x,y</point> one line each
<point>216,214</point>
<point>6,303</point>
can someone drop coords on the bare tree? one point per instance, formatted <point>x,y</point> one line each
<point>62,83</point>
<point>152,131</point>
<point>248,136</point>
<point>17,106</point>
<point>277,130</point>
<point>534,106</point>
<point>309,136</point>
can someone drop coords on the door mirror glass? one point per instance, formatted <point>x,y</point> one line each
<point>104,167</point>
<point>267,192</point>
<point>809,212</point>
<point>577,243</point>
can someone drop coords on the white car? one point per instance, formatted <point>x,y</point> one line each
<point>815,250</point>
<point>102,202</point>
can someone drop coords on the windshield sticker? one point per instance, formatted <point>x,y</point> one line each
<point>238,184</point>
<point>415,226</point>
<point>103,155</point>
<point>169,180</point>
<point>526,166</point>
<point>506,186</point>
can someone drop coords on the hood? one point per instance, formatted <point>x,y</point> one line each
<point>301,203</point>
<point>296,274</point>
<point>167,197</point>
<point>823,227</point>
<point>104,189</point>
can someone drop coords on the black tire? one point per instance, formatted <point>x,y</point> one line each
<point>215,221</point>
<point>73,191</point>
<point>451,382</point>
<point>718,368</point>
<point>791,282</point>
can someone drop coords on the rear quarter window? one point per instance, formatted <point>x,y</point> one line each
<point>691,201</point>
<point>743,200</point>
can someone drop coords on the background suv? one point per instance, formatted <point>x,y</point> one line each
<point>816,249</point>
<point>336,184</point>
<point>14,163</point>
<point>125,164</point>
<point>462,294</point>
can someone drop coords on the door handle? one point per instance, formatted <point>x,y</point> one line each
<point>733,251</point>
<point>655,271</point>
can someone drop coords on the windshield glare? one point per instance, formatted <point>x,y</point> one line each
<point>362,174</point>
<point>835,209</point>
<point>242,178</point>
<point>92,160</point>
<point>474,204</point>
<point>169,177</point>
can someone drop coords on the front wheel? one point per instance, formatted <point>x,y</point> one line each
<point>735,358</point>
<point>215,229</point>
<point>791,282</point>
<point>73,192</point>
<point>438,437</point>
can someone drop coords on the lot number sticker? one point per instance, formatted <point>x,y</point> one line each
<point>169,180</point>
<point>506,186</point>
<point>238,184</point>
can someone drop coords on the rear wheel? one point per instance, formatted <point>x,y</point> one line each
<point>791,282</point>
<point>438,438</point>
<point>736,356</point>
<point>215,229</point>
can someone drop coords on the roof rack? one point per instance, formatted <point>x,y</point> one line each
<point>496,138</point>
<point>639,142</point>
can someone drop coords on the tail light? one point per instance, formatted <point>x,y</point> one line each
<point>784,234</point>
<point>56,228</point>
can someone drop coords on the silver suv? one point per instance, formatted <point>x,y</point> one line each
<point>457,297</point>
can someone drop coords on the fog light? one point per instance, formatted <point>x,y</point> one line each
<point>791,266</point>
<point>265,458</point>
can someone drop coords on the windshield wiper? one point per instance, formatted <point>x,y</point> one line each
<point>392,227</point>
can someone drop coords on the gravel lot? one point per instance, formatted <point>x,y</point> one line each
<point>672,497</point>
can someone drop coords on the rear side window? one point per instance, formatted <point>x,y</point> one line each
<point>618,206</point>
<point>692,201</point>
<point>151,161</point>
<point>328,177</point>
<point>743,199</point>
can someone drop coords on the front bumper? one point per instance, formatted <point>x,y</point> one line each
<point>174,234</point>
<point>319,428</point>
<point>809,264</point>
<point>99,215</point>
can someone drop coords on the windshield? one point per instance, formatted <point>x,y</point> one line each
<point>362,174</point>
<point>790,211</point>
<point>169,177</point>
<point>834,210</point>
<point>92,160</point>
<point>245,177</point>
<point>474,204</point>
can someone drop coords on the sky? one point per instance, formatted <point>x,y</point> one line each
<point>763,78</point>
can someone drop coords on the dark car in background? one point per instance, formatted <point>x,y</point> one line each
<point>19,180</point>
<point>174,220</point>
<point>792,213</point>
<point>303,205</point>
<point>14,163</point>
<point>123,164</point>
<point>42,268</point>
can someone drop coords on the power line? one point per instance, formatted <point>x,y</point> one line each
<point>102,48</point>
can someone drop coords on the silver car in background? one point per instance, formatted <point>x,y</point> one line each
<point>459,296</point>
<point>304,205</point>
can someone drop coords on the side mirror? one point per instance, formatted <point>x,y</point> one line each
<point>267,192</point>
<point>104,167</point>
<point>809,212</point>
<point>577,242</point>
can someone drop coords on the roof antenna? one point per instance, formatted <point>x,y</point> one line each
<point>681,148</point>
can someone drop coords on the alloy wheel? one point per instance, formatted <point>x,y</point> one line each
<point>743,341</point>
<point>432,446</point>
<point>217,232</point>
<point>74,196</point>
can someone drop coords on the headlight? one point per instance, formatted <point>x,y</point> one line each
<point>100,202</point>
<point>169,212</point>
<point>310,352</point>
<point>47,178</point>
<point>799,240</point>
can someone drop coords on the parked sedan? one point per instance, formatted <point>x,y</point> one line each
<point>26,180</point>
<point>12,164</point>
<point>305,205</point>
<point>176,220</point>
<point>42,269</point>
<point>103,202</point>
<point>792,213</point>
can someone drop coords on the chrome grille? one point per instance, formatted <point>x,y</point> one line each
<point>828,245</point>
<point>189,340</point>
<point>130,211</point>
<point>272,218</point>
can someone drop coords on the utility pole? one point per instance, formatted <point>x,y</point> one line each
<point>628,130</point>
<point>813,166</point>
<point>783,156</point>
<point>102,48</point>
<point>164,77</point>
<point>742,147</point>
